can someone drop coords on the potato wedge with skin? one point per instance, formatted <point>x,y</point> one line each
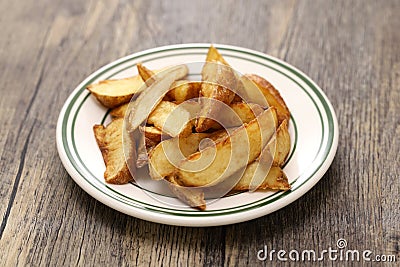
<point>178,124</point>
<point>119,112</point>
<point>113,93</point>
<point>274,179</point>
<point>153,133</point>
<point>214,56</point>
<point>219,82</point>
<point>272,96</point>
<point>184,90</point>
<point>176,149</point>
<point>215,138</point>
<point>150,137</point>
<point>145,145</point>
<point>110,142</point>
<point>145,103</point>
<point>142,152</point>
<point>246,113</point>
<point>193,197</point>
<point>278,146</point>
<point>243,113</point>
<point>226,158</point>
<point>146,74</point>
<point>237,99</point>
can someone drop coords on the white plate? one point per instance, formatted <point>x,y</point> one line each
<point>313,129</point>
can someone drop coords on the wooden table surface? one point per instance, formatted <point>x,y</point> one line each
<point>350,48</point>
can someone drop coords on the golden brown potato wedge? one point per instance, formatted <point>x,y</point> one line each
<point>170,152</point>
<point>110,142</point>
<point>242,113</point>
<point>219,160</point>
<point>113,93</point>
<point>274,179</point>
<point>272,96</point>
<point>119,112</point>
<point>149,138</point>
<point>279,145</point>
<point>193,197</point>
<point>142,151</point>
<point>237,99</point>
<point>213,138</point>
<point>145,103</point>
<point>245,112</point>
<point>184,90</point>
<point>219,83</point>
<point>153,133</point>
<point>214,56</point>
<point>146,74</point>
<point>171,119</point>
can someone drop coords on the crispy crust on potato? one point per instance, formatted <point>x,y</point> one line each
<point>113,93</point>
<point>119,112</point>
<point>194,198</point>
<point>109,140</point>
<point>275,179</point>
<point>272,96</point>
<point>219,83</point>
<point>258,131</point>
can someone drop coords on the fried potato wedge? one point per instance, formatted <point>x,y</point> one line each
<point>153,133</point>
<point>169,152</point>
<point>214,56</point>
<point>278,146</point>
<point>110,142</point>
<point>150,137</point>
<point>146,102</point>
<point>274,178</point>
<point>119,112</point>
<point>245,112</point>
<point>113,93</point>
<point>222,163</point>
<point>193,197</point>
<point>146,74</point>
<point>219,83</point>
<point>237,99</point>
<point>171,119</point>
<point>184,90</point>
<point>271,94</point>
<point>142,152</point>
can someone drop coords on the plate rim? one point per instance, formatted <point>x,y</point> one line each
<point>199,221</point>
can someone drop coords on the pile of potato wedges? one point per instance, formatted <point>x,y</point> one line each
<point>226,128</point>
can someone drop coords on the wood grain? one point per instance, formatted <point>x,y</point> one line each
<point>350,48</point>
